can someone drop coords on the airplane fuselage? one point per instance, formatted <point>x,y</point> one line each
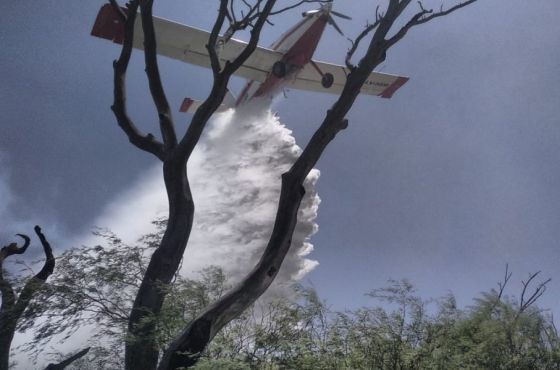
<point>298,45</point>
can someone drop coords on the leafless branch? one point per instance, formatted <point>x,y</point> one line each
<point>219,89</point>
<point>263,14</point>
<point>145,142</point>
<point>246,20</point>
<point>230,14</point>
<point>524,302</point>
<point>423,16</point>
<point>213,39</point>
<point>411,23</point>
<point>443,12</point>
<point>502,285</point>
<point>48,266</point>
<point>501,289</point>
<point>356,42</point>
<point>13,248</point>
<point>252,13</point>
<point>154,79</point>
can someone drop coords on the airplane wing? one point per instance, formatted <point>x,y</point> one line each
<point>309,78</point>
<point>187,44</point>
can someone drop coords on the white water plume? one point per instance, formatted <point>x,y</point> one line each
<point>235,179</point>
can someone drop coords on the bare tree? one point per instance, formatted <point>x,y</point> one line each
<point>174,152</point>
<point>14,305</point>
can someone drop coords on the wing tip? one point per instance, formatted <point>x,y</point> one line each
<point>108,25</point>
<point>391,89</point>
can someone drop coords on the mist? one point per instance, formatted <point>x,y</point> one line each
<point>235,179</point>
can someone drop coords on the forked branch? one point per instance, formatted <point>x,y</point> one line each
<point>502,285</point>
<point>248,17</point>
<point>526,302</point>
<point>213,39</point>
<point>355,43</point>
<point>154,79</point>
<point>424,16</point>
<point>221,80</point>
<point>147,142</point>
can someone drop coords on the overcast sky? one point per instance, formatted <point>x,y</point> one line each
<point>443,184</point>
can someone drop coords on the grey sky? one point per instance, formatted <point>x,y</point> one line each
<point>443,184</point>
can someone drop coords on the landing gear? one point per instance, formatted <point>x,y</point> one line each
<point>279,69</point>
<point>327,80</point>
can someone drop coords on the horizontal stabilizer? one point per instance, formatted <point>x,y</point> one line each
<point>189,105</point>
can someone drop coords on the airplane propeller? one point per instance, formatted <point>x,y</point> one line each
<point>333,23</point>
<point>343,16</point>
<point>330,19</point>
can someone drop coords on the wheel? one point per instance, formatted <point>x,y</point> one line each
<point>327,80</point>
<point>279,69</point>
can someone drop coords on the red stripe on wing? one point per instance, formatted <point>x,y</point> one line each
<point>389,91</point>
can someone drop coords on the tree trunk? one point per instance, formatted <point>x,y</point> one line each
<point>7,330</point>
<point>141,350</point>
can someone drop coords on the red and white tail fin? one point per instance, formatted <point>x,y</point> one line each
<point>190,105</point>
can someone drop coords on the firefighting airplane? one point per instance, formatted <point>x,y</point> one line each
<point>286,64</point>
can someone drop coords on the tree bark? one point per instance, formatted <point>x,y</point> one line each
<point>141,349</point>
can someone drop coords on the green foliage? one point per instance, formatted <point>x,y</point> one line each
<point>95,286</point>
<point>189,297</point>
<point>222,364</point>
<point>92,287</point>
<point>399,334</point>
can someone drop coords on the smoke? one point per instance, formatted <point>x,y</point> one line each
<point>235,179</point>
